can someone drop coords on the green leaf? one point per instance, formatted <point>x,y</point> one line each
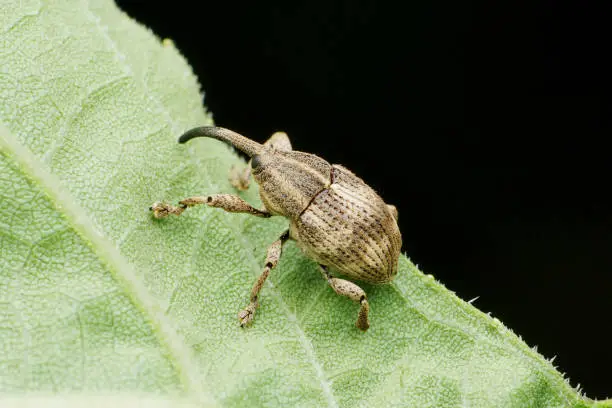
<point>100,303</point>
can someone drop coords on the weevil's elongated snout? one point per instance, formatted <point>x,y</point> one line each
<point>240,142</point>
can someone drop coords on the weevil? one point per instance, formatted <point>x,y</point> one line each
<point>335,217</point>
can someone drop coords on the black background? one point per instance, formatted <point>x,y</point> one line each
<point>486,125</point>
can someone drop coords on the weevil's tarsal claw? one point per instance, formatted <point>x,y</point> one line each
<point>247,314</point>
<point>162,210</point>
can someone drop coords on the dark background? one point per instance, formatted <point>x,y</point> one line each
<point>486,125</point>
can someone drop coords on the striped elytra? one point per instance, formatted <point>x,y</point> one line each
<point>336,218</point>
<point>348,227</point>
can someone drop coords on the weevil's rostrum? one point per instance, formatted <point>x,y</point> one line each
<point>337,219</point>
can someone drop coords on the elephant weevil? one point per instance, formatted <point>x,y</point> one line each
<point>335,218</point>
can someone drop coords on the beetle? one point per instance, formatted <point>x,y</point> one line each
<point>335,217</point>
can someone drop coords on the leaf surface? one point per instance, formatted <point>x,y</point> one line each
<point>96,297</point>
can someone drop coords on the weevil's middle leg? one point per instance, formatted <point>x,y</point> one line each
<point>241,178</point>
<point>353,292</point>
<point>228,202</point>
<point>274,252</point>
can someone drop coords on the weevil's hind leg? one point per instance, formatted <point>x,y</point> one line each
<point>393,210</point>
<point>241,178</point>
<point>228,202</point>
<point>274,252</point>
<point>353,292</point>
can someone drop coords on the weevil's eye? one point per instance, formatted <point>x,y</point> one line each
<point>255,162</point>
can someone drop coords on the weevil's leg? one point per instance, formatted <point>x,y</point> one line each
<point>274,252</point>
<point>279,141</point>
<point>353,292</point>
<point>393,210</point>
<point>240,178</point>
<point>228,202</point>
<point>162,210</point>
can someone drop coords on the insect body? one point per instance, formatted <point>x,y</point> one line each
<point>337,219</point>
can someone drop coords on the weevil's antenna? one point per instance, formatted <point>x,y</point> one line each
<point>240,142</point>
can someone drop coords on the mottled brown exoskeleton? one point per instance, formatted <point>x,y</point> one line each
<point>337,219</point>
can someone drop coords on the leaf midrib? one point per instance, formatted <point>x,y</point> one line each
<point>179,354</point>
<point>111,258</point>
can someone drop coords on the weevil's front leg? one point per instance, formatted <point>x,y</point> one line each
<point>353,292</point>
<point>274,252</point>
<point>279,141</point>
<point>240,178</point>
<point>228,202</point>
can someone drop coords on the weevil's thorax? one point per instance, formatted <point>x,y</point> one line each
<point>289,180</point>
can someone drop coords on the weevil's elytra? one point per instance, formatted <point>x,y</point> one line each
<point>337,219</point>
<point>354,233</point>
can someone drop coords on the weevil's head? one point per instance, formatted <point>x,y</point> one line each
<point>289,180</point>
